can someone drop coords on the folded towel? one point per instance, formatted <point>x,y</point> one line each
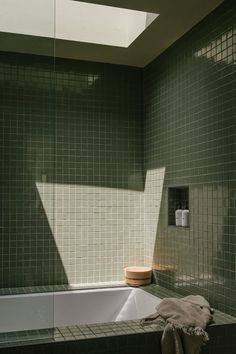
<point>185,322</point>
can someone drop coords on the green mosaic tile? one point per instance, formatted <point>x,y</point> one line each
<point>71,134</point>
<point>190,130</point>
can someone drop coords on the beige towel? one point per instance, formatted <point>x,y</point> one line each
<point>185,320</point>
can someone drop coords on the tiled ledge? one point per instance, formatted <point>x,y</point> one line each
<point>75,333</point>
<point>96,331</point>
<point>219,317</point>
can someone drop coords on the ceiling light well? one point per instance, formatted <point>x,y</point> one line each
<point>75,21</point>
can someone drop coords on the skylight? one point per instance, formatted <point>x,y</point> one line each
<point>75,21</point>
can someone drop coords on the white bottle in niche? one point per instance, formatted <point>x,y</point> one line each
<point>185,217</point>
<point>178,216</point>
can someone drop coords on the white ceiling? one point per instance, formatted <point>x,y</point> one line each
<point>176,18</point>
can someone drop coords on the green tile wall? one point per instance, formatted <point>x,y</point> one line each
<point>98,170</point>
<point>71,170</point>
<point>27,108</point>
<point>190,131</point>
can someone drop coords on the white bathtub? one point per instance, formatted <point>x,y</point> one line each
<point>77,307</point>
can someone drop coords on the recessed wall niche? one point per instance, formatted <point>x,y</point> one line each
<point>178,198</point>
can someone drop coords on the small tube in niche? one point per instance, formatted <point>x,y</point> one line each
<point>178,216</point>
<point>185,217</point>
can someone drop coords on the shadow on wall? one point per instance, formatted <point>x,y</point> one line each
<point>99,126</point>
<point>29,255</point>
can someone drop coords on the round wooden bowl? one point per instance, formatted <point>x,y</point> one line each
<point>137,282</point>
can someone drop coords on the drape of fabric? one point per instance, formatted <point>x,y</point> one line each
<point>185,323</point>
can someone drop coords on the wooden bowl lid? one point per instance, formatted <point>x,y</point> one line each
<point>138,272</point>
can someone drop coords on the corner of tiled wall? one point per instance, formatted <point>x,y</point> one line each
<point>190,129</point>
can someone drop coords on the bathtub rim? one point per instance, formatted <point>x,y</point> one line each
<point>76,291</point>
<point>59,288</point>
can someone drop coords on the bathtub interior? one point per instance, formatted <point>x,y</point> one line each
<point>100,306</point>
<point>77,307</point>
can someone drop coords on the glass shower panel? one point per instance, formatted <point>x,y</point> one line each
<point>27,125</point>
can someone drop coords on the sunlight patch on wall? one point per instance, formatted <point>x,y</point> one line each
<point>152,203</point>
<point>99,231</point>
<point>220,50</point>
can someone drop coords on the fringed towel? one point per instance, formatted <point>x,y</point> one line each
<point>186,320</point>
